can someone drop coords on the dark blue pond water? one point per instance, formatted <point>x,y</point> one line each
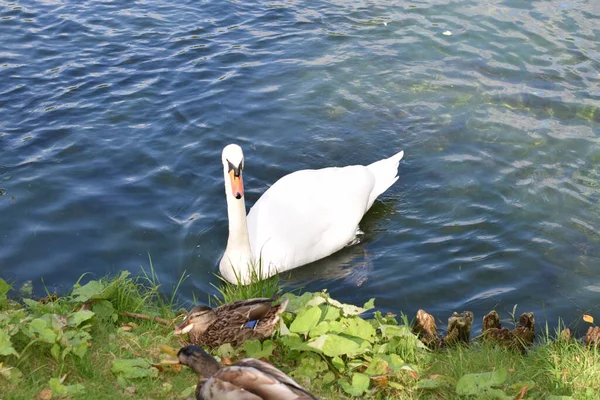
<point>113,115</point>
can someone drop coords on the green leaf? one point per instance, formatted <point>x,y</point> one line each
<point>369,304</point>
<point>39,328</point>
<point>330,313</point>
<point>335,345</point>
<point>226,350</point>
<point>297,303</point>
<point>311,365</point>
<point>377,366</point>
<point>63,390</point>
<point>9,373</point>
<point>4,288</point>
<point>338,363</point>
<point>481,384</point>
<point>306,320</point>
<point>283,329</point>
<point>6,348</point>
<point>78,317</point>
<point>187,393</point>
<point>84,293</point>
<point>322,328</point>
<point>348,310</point>
<point>255,349</point>
<point>31,303</point>
<point>133,368</point>
<point>97,290</point>
<point>360,328</point>
<point>359,385</point>
<point>55,351</point>
<point>104,310</point>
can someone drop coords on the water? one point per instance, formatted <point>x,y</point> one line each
<point>113,116</point>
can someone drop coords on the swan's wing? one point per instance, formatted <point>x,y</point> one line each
<point>309,214</point>
<point>253,379</point>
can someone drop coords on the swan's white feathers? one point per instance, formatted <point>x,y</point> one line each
<point>308,215</point>
<point>232,153</point>
<point>303,217</point>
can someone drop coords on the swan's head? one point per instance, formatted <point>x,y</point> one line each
<point>233,164</point>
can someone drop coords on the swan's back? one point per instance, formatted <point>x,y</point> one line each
<point>310,214</point>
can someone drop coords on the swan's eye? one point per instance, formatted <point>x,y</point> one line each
<point>231,167</point>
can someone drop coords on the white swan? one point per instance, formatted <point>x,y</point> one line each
<point>305,216</point>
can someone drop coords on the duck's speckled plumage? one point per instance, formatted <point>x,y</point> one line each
<point>229,323</point>
<point>248,379</point>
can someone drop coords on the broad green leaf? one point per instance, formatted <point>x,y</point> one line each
<point>360,382</point>
<point>359,327</point>
<point>359,385</point>
<point>104,310</point>
<point>6,348</point>
<point>311,365</point>
<point>306,320</point>
<point>78,317</point>
<point>55,351</point>
<point>297,303</point>
<point>317,300</point>
<point>283,329</point>
<point>4,288</point>
<point>378,366</point>
<point>226,350</point>
<point>97,290</point>
<point>395,362</point>
<point>369,304</point>
<point>133,368</point>
<point>31,303</point>
<point>321,329</point>
<point>330,313</point>
<point>39,328</point>
<point>9,373</point>
<point>65,390</point>
<point>335,345</point>
<point>348,310</point>
<point>83,293</point>
<point>429,384</point>
<point>481,384</point>
<point>338,363</point>
<point>388,319</point>
<point>255,349</point>
<point>187,393</point>
<point>328,378</point>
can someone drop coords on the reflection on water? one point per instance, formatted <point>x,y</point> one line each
<point>113,119</point>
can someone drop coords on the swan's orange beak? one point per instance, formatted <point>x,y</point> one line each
<point>237,186</point>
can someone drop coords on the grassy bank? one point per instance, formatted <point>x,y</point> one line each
<point>88,344</point>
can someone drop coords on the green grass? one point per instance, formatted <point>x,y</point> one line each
<point>229,292</point>
<point>553,367</point>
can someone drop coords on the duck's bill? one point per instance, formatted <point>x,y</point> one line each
<point>168,350</point>
<point>184,328</point>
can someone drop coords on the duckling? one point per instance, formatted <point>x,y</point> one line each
<point>248,379</point>
<point>232,323</point>
<point>518,339</point>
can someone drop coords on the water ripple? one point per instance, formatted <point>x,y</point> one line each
<point>114,117</point>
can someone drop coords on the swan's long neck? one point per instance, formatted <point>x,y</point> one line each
<point>238,254</point>
<point>238,225</point>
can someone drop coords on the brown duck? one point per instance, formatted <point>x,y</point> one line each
<point>232,323</point>
<point>247,379</point>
